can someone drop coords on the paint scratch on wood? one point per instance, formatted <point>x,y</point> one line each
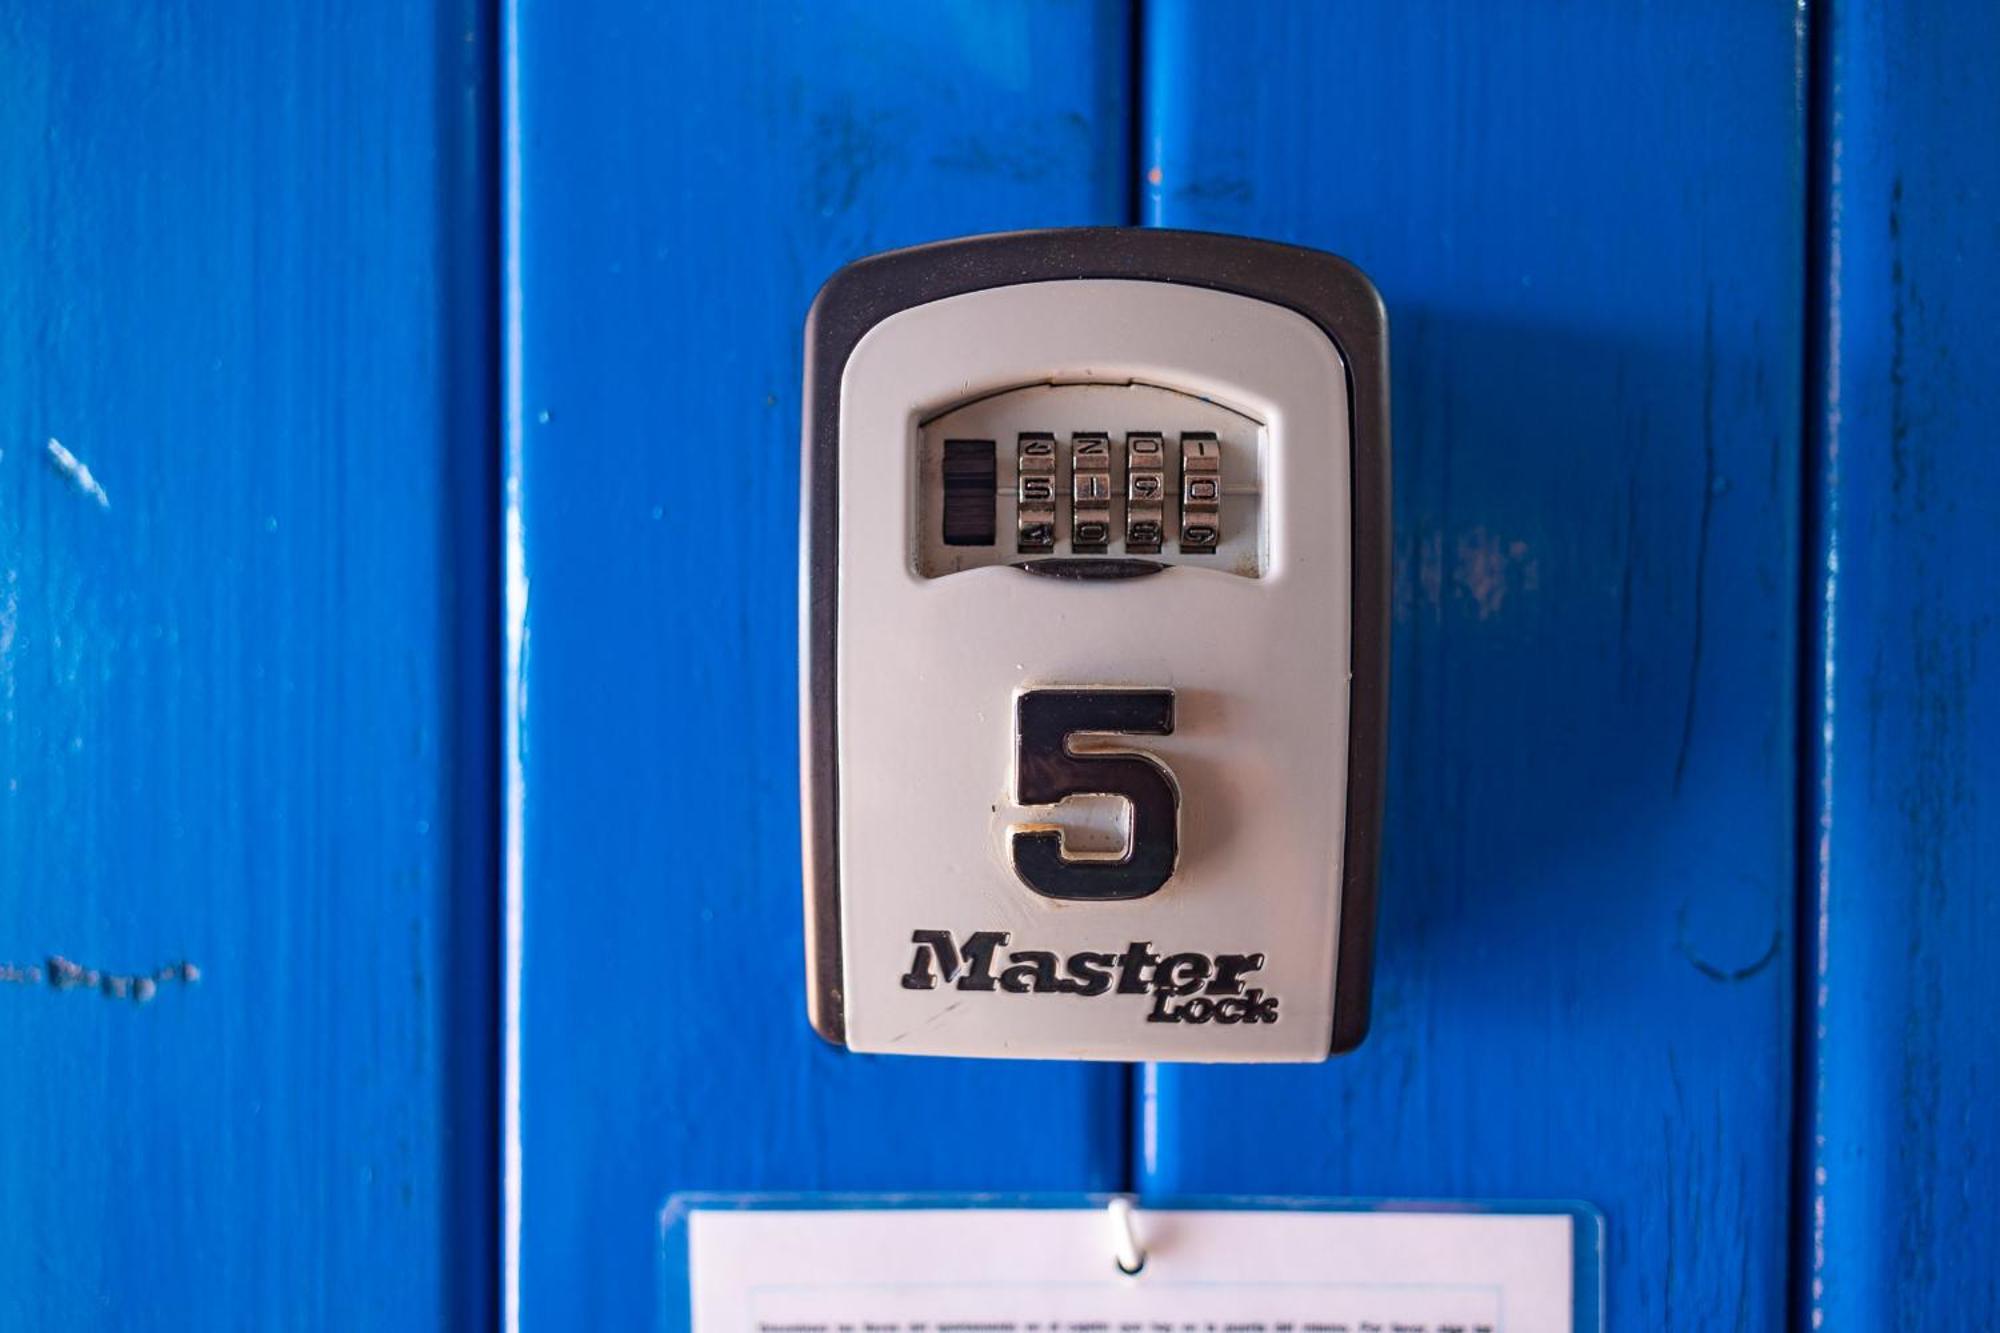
<point>60,973</point>
<point>1732,975</point>
<point>1489,569</point>
<point>1711,486</point>
<point>77,471</point>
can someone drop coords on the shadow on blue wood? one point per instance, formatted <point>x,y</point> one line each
<point>687,176</point>
<point>245,666</point>
<point>1905,1157</point>
<point>1587,224</point>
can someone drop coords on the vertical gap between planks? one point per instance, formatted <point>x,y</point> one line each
<point>1136,1110</point>
<point>1135,113</point>
<point>467,249</point>
<point>513,647</point>
<point>1818,566</point>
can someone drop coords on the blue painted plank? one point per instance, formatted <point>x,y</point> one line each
<point>1906,1105</point>
<point>1587,223</point>
<point>685,176</point>
<point>245,667</point>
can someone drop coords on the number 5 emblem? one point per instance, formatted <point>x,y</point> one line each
<point>1048,771</point>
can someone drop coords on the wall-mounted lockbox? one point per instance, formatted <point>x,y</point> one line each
<point>1094,647</point>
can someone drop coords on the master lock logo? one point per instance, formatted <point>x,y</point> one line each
<point>1186,987</point>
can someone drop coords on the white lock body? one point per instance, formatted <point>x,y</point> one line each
<point>1256,660</point>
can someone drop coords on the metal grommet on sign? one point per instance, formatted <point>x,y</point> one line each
<point>1125,1249</point>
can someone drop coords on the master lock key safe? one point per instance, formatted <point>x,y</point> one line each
<point>1094,612</point>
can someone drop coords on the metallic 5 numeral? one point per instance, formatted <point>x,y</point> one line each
<point>1047,771</point>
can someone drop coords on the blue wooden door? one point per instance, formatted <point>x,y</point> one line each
<point>398,500</point>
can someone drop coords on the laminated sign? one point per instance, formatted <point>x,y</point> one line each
<point>806,1265</point>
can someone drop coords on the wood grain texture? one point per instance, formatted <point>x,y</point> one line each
<point>1587,223</point>
<point>686,177</point>
<point>1905,1163</point>
<point>245,675</point>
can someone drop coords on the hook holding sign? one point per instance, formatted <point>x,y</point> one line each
<point>1126,1251</point>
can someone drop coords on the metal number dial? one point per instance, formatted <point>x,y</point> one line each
<point>1047,771</point>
